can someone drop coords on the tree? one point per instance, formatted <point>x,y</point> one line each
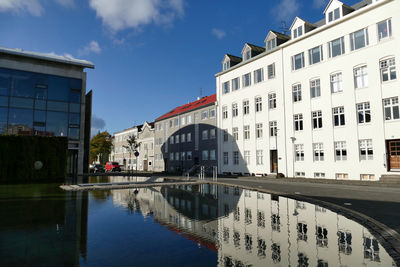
<point>132,146</point>
<point>100,147</point>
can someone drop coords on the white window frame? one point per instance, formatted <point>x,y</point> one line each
<point>225,135</point>
<point>259,157</point>
<point>313,51</point>
<point>204,114</point>
<point>246,107</point>
<point>340,151</point>
<point>235,84</point>
<point>271,71</point>
<point>315,88</point>
<point>299,150</point>
<point>298,58</point>
<point>235,133</point>
<point>246,132</point>
<point>316,119</point>
<point>296,93</point>
<point>336,80</point>
<point>363,112</point>
<point>212,113</point>
<point>391,107</point>
<point>366,149</point>
<point>388,69</point>
<point>246,80</point>
<point>272,100</point>
<point>361,77</point>
<point>338,116</point>
<point>224,112</point>
<point>258,103</point>
<point>388,24</point>
<point>273,128</point>
<point>318,152</point>
<point>258,75</point>
<point>298,122</point>
<point>246,157</point>
<point>235,110</point>
<point>365,39</point>
<point>259,130</point>
<point>341,47</point>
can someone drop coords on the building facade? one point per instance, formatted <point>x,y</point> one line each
<point>120,152</point>
<point>186,137</point>
<point>322,102</point>
<point>43,94</point>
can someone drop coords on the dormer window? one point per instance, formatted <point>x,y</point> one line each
<point>298,32</point>
<point>247,54</point>
<point>226,65</point>
<point>334,15</point>
<point>271,44</point>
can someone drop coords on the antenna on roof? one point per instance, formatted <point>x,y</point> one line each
<point>284,27</point>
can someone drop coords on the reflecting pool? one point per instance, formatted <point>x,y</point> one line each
<point>199,225</point>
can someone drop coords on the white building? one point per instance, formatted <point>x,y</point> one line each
<point>330,90</point>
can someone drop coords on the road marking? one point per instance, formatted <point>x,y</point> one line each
<point>347,204</point>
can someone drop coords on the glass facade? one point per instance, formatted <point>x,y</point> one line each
<point>39,104</point>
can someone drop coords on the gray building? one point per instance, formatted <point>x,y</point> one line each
<point>44,94</point>
<point>186,137</point>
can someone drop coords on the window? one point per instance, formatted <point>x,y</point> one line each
<point>258,75</point>
<point>299,152</point>
<point>258,102</point>
<point>204,155</point>
<point>236,157</point>
<point>315,55</point>
<point>183,138</point>
<point>367,176</point>
<point>366,151</point>
<point>235,84</point>
<point>334,15</point>
<point>176,122</point>
<point>317,119</point>
<point>338,116</point>
<point>336,47</point>
<point>183,155</point>
<point>176,139</point>
<point>271,71</point>
<point>171,123</point>
<point>176,155</point>
<point>224,112</point>
<point>189,155</point>
<point>298,122</point>
<point>246,108</point>
<point>364,112</point>
<point>171,156</point>
<point>235,133</point>
<point>388,69</point>
<point>271,44</point>
<point>171,140</point>
<point>384,29</point>
<point>212,113</point>
<point>247,54</point>
<point>204,135</point>
<point>189,119</point>
<point>225,87</point>
<point>234,110</point>
<point>246,132</point>
<point>322,241</point>
<point>246,79</point>
<point>298,32</point>
<point>212,133</point>
<point>391,107</point>
<point>296,89</point>
<point>259,130</point>
<point>259,157</point>
<point>360,77</point>
<point>318,152</point>
<point>189,137</point>
<point>273,128</point>
<point>226,158</point>
<point>298,61</point>
<point>341,176</point>
<point>247,157</point>
<point>340,150</point>
<point>359,39</point>
<point>225,134</point>
<point>212,154</point>
<point>225,65</point>
<point>315,88</point>
<point>183,122</point>
<point>271,100</point>
<point>336,83</point>
<point>204,115</point>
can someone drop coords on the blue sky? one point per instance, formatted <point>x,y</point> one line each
<point>150,55</point>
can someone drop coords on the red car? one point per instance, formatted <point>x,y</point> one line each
<point>112,166</point>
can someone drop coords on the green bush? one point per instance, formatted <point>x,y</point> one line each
<point>18,155</point>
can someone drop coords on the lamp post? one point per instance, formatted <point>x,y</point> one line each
<point>276,147</point>
<point>294,153</point>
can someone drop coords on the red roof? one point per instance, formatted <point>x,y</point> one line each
<point>187,107</point>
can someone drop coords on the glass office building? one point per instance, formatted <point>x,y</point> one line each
<point>45,95</point>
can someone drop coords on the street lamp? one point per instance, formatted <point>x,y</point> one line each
<point>294,152</point>
<point>276,148</point>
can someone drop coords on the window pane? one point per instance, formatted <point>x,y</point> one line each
<point>57,123</point>
<point>19,102</point>
<point>336,48</point>
<point>58,88</point>
<point>73,133</point>
<point>395,112</point>
<point>57,106</point>
<point>40,104</point>
<point>359,39</point>
<point>40,93</point>
<point>20,120</point>
<point>3,101</point>
<point>75,108</point>
<point>23,84</point>
<point>39,116</point>
<point>5,79</point>
<point>3,120</point>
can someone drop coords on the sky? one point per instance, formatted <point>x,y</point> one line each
<point>150,56</point>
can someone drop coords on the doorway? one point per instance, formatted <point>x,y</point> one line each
<point>72,162</point>
<point>145,165</point>
<point>273,155</point>
<point>393,155</point>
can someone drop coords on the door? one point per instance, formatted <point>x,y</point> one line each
<point>72,162</point>
<point>273,160</point>
<point>145,165</point>
<point>394,154</point>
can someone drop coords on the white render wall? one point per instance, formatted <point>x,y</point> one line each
<point>378,130</point>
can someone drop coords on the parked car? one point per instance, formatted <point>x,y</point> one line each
<point>98,168</point>
<point>113,166</point>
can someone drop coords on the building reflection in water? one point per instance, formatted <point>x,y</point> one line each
<point>249,228</point>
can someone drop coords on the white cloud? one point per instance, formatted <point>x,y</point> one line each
<point>92,47</point>
<point>319,3</point>
<point>218,33</point>
<point>122,14</point>
<point>286,10</point>
<point>19,6</point>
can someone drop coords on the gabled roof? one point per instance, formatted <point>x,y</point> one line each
<point>147,124</point>
<point>139,127</point>
<point>305,22</point>
<point>344,5</point>
<point>277,35</point>
<point>254,48</point>
<point>232,58</point>
<point>207,100</point>
<point>47,57</point>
